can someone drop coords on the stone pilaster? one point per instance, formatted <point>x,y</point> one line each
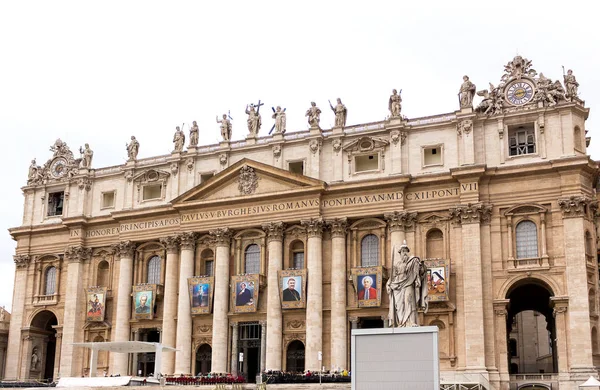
<point>500,319</point>
<point>560,306</point>
<point>221,300</point>
<point>183,356</point>
<point>580,344</point>
<point>470,217</point>
<point>234,348</point>
<point>121,328</point>
<point>314,302</point>
<point>274,323</point>
<point>73,321</point>
<point>339,323</point>
<point>169,325</point>
<point>16,319</point>
<point>263,345</point>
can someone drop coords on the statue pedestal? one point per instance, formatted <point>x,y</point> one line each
<point>277,137</point>
<point>250,140</point>
<point>224,144</point>
<point>395,358</point>
<point>337,130</point>
<point>395,120</point>
<point>315,130</point>
<point>466,110</point>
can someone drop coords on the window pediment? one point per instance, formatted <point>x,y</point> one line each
<point>529,208</point>
<point>365,145</point>
<point>151,176</point>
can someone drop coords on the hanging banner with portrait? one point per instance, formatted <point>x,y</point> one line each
<point>144,300</point>
<point>367,283</point>
<point>244,293</point>
<point>292,288</point>
<point>201,294</point>
<point>438,280</point>
<point>96,301</point>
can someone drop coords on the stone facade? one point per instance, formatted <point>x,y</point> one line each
<point>504,193</point>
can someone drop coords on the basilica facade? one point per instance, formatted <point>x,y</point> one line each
<point>263,254</point>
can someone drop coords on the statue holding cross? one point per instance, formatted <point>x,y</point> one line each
<point>254,119</point>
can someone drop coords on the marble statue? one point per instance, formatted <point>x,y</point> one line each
<point>340,112</point>
<point>314,115</point>
<point>34,358</point>
<point>194,134</point>
<point>466,93</point>
<point>493,101</point>
<point>35,175</point>
<point>254,120</point>
<point>178,140</point>
<point>2,314</point>
<point>548,92</point>
<point>407,288</point>
<point>225,128</point>
<point>132,149</point>
<point>394,104</point>
<point>280,119</point>
<point>86,156</point>
<point>571,84</point>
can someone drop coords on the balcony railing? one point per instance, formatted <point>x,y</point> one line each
<point>44,300</point>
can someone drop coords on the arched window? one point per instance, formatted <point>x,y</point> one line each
<point>252,259</point>
<point>154,270</point>
<point>589,244</point>
<point>577,139</point>
<point>297,249</point>
<point>295,357</point>
<point>526,237</point>
<point>208,259</point>
<point>592,300</point>
<point>50,281</point>
<point>102,275</point>
<point>435,244</point>
<point>512,344</point>
<point>369,250</point>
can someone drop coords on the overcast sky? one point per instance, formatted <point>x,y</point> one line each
<point>99,72</point>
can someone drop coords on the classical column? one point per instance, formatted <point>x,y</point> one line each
<point>339,323</point>
<point>470,218</point>
<point>353,322</point>
<point>135,356</point>
<point>501,341</point>
<point>263,345</point>
<point>398,222</point>
<point>274,324</point>
<point>314,302</point>
<point>72,322</point>
<point>183,356</point>
<point>121,327</point>
<point>170,303</point>
<point>560,305</point>
<point>574,211</point>
<point>221,300</point>
<point>16,318</point>
<point>234,348</point>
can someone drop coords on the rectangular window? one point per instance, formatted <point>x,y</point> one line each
<point>108,199</point>
<point>369,162</point>
<point>298,260</point>
<point>55,203</point>
<point>521,140</point>
<point>297,167</point>
<point>209,267</point>
<point>152,192</point>
<point>204,177</point>
<point>432,155</point>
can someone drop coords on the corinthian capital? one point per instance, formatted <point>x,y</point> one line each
<point>401,220</point>
<point>125,249</point>
<point>171,243</point>
<point>338,227</point>
<point>222,236</point>
<point>21,261</point>
<point>471,213</point>
<point>574,206</point>
<point>187,240</point>
<point>76,254</point>
<point>274,231</point>
<point>314,227</point>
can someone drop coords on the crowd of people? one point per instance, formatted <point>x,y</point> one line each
<point>307,377</point>
<point>208,379</point>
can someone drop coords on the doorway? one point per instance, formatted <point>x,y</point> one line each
<point>145,366</point>
<point>295,355</point>
<point>44,346</point>
<point>370,323</point>
<point>203,359</point>
<point>249,345</point>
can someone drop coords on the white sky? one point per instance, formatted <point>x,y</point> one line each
<point>99,72</point>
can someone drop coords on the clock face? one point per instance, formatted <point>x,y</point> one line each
<point>519,92</point>
<point>58,167</point>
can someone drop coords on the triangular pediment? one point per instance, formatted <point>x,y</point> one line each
<point>248,178</point>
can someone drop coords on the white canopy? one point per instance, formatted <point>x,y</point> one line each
<point>592,382</point>
<point>125,347</point>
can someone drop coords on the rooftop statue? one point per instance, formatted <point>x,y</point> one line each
<point>225,128</point>
<point>407,288</point>
<point>86,156</point>
<point>466,93</point>
<point>493,101</point>
<point>132,149</point>
<point>194,134</point>
<point>254,120</point>
<point>394,103</point>
<point>35,175</point>
<point>178,140</point>
<point>340,112</point>
<point>571,84</point>
<point>314,115</point>
<point>280,119</point>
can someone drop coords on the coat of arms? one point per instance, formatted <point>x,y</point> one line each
<point>248,180</point>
